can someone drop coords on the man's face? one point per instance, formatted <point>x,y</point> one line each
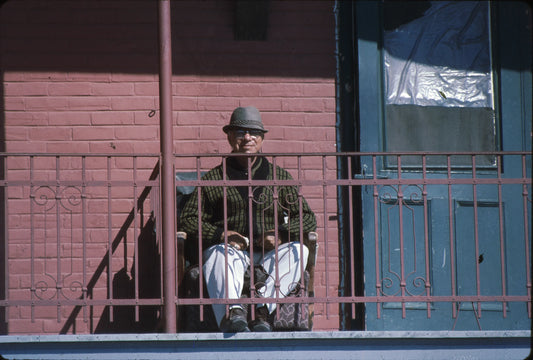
<point>246,141</point>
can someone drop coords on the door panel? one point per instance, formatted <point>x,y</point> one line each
<point>459,95</point>
<point>404,251</point>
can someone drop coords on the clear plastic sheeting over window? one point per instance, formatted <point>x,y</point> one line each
<point>441,58</point>
<point>438,83</point>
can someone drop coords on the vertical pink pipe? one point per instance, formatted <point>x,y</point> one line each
<point>167,167</point>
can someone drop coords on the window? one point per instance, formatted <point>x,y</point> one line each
<point>438,80</point>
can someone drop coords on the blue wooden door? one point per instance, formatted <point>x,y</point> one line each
<point>444,77</point>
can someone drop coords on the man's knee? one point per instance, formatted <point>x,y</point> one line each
<point>299,249</point>
<point>220,250</point>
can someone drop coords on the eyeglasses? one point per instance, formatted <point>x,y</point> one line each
<point>239,134</point>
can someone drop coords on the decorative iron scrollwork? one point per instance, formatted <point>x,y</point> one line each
<point>400,272</point>
<point>53,210</point>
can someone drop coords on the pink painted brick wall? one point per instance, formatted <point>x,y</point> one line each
<point>81,77</point>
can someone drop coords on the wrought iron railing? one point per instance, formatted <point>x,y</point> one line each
<point>73,226</point>
<point>81,236</point>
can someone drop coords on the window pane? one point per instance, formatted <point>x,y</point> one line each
<point>438,83</point>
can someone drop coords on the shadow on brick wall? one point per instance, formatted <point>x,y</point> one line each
<point>123,319</point>
<point>124,288</point>
<point>123,285</point>
<point>208,39</point>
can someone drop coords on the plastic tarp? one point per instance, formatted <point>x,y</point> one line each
<point>441,58</point>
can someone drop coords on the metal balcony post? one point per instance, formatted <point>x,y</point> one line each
<point>167,167</point>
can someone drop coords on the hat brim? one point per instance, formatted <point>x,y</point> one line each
<point>228,128</point>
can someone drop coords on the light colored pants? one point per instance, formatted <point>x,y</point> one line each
<point>289,272</point>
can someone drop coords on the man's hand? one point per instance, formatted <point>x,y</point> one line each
<point>236,240</point>
<point>269,241</point>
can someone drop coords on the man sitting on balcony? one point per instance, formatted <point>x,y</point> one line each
<point>245,134</point>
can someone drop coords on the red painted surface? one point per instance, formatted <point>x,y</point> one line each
<point>81,77</point>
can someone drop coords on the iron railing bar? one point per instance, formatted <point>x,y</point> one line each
<point>375,196</point>
<point>426,235</point>
<point>251,232</point>
<point>357,182</point>
<point>451,230</point>
<point>476,233</point>
<point>501,234</point>
<point>340,299</point>
<point>275,201</point>
<point>301,230</point>
<point>200,236</point>
<point>403,282</point>
<point>58,199</point>
<point>78,302</point>
<point>308,182</point>
<point>225,216</point>
<point>351,235</point>
<point>135,240</point>
<point>4,260</point>
<point>84,233</point>
<point>286,300</point>
<point>325,207</point>
<point>32,243</point>
<point>79,155</point>
<point>109,241</point>
<point>88,183</point>
<point>357,154</point>
<point>526,231</point>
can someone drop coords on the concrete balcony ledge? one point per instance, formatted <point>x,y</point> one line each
<point>427,345</point>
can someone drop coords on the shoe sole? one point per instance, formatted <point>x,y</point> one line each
<point>261,327</point>
<point>237,325</point>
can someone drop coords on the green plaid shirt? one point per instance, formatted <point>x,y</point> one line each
<point>263,218</point>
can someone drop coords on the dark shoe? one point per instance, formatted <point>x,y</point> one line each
<point>261,324</point>
<point>235,322</point>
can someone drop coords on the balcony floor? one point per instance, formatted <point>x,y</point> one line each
<point>427,345</point>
